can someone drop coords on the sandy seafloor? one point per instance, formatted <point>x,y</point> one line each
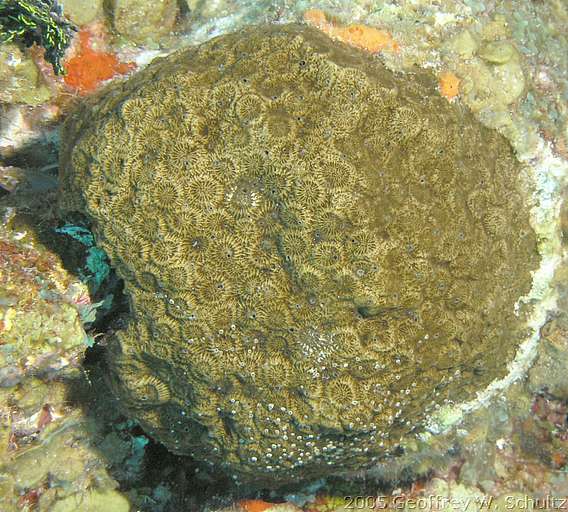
<point>64,447</point>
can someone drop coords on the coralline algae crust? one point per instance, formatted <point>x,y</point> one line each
<point>319,253</point>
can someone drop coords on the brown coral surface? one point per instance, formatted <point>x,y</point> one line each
<point>318,252</point>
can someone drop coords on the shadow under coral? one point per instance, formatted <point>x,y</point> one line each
<point>137,464</point>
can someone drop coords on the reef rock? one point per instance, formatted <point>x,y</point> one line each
<point>318,252</point>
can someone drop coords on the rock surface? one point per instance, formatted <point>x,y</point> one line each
<point>318,252</point>
<point>143,21</point>
<point>48,457</point>
<point>20,80</point>
<point>82,13</point>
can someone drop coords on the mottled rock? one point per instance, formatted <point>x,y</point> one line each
<point>94,501</point>
<point>488,87</point>
<point>210,10</point>
<point>20,79</point>
<point>479,467</point>
<point>46,436</point>
<point>497,52</point>
<point>515,502</point>
<point>143,21</point>
<point>463,44</point>
<point>549,371</point>
<point>40,326</point>
<point>317,251</point>
<point>82,13</point>
<point>496,29</point>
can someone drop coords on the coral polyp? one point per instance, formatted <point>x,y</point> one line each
<point>331,250</point>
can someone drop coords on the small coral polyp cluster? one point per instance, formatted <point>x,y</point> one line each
<point>318,252</point>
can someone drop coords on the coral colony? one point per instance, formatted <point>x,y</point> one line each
<point>318,252</point>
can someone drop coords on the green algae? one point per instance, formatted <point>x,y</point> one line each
<point>97,268</point>
<point>40,22</point>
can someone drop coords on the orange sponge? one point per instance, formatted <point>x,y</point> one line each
<point>449,85</point>
<point>367,38</point>
<point>88,68</point>
<point>255,505</point>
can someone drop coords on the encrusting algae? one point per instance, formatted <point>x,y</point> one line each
<point>318,252</point>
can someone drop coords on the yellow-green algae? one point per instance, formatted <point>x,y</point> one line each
<point>318,252</point>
